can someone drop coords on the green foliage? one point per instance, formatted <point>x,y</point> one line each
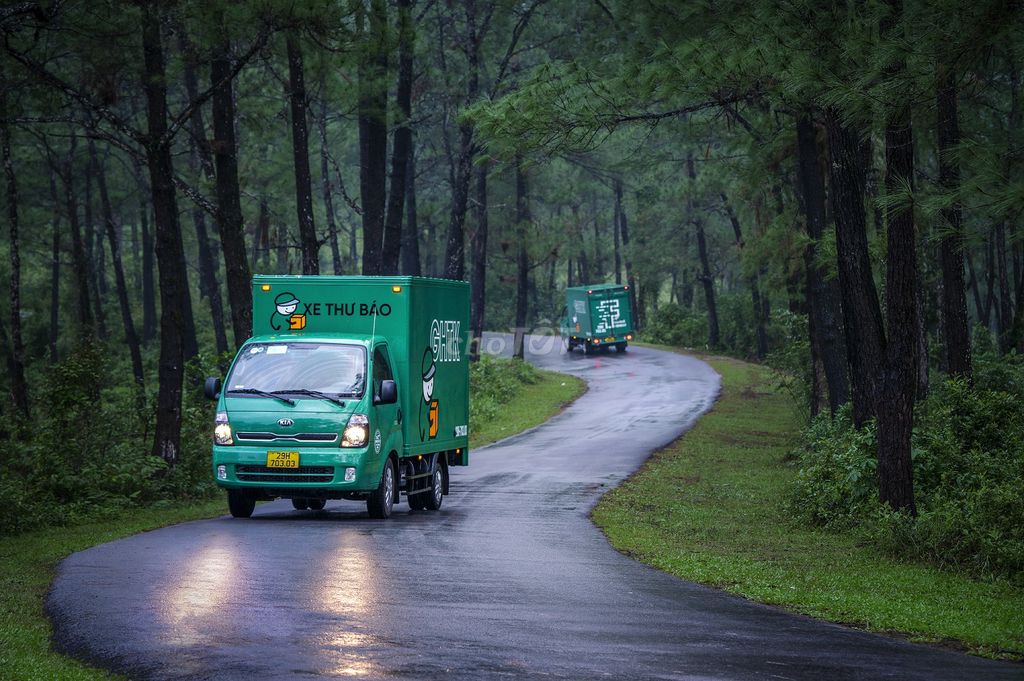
<point>968,458</point>
<point>790,357</point>
<point>835,484</point>
<point>493,383</point>
<point>672,325</point>
<point>85,454</point>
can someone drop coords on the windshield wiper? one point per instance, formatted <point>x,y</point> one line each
<point>312,393</point>
<point>262,393</point>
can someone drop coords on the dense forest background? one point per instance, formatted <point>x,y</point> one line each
<point>834,189</point>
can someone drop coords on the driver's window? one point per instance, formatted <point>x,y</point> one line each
<point>381,368</point>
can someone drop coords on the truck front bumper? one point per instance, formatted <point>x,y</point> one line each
<point>326,470</point>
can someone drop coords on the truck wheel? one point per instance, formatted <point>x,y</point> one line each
<point>588,349</point>
<point>416,501</point>
<point>241,503</point>
<point>316,504</point>
<point>382,499</point>
<point>434,498</point>
<point>621,347</point>
<point>300,504</point>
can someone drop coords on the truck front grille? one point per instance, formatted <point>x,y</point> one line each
<point>293,437</point>
<point>303,474</point>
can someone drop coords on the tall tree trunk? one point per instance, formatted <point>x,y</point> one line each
<point>402,144</point>
<point>326,186</point>
<point>54,273</point>
<point>899,380</point>
<point>131,337</point>
<point>208,285</point>
<point>148,265</point>
<point>89,243</point>
<point>411,230</point>
<point>823,295</point>
<point>454,255</point>
<point>956,334</point>
<point>261,244</point>
<point>282,248</point>
<point>706,278</point>
<point>755,290</point>
<point>862,315</point>
<point>1004,309</point>
<point>201,161</point>
<point>975,285</point>
<point>308,244</point>
<point>522,260</point>
<point>373,132</point>
<point>229,206</point>
<point>620,209</point>
<point>708,282</point>
<point>615,236</point>
<point>81,269</point>
<point>478,282</point>
<point>169,249</point>
<point>19,386</point>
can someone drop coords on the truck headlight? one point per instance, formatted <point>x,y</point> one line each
<point>222,429</point>
<point>356,432</point>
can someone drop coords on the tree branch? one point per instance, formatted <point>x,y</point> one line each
<point>240,63</point>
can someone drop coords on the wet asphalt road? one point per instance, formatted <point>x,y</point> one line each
<point>508,580</point>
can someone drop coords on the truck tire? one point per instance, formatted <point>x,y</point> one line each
<point>432,499</point>
<point>382,499</point>
<point>621,347</point>
<point>316,504</point>
<point>416,502</point>
<point>241,503</point>
<point>300,504</point>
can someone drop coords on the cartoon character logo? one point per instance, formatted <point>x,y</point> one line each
<point>284,306</point>
<point>429,406</point>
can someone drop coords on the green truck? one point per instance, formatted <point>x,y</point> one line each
<point>350,388</point>
<point>597,317</point>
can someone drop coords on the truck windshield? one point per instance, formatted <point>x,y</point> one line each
<point>333,369</point>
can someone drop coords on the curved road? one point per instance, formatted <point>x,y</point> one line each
<point>509,580</point>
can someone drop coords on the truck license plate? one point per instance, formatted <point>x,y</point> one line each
<point>282,459</point>
<point>609,339</point>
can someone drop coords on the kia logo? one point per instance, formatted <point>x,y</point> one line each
<point>285,422</point>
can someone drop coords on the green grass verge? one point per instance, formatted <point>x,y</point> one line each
<point>534,404</point>
<point>708,508</point>
<point>27,561</point>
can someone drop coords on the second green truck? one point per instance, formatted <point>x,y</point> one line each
<point>350,388</point>
<point>597,317</point>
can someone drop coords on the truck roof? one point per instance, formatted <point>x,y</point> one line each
<point>597,287</point>
<point>326,337</point>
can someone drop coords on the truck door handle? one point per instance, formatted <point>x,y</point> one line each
<point>398,418</point>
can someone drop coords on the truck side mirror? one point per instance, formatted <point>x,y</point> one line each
<point>212,388</point>
<point>388,392</point>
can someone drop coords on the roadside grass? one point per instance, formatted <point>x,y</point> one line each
<point>708,508</point>
<point>28,561</point>
<point>536,403</point>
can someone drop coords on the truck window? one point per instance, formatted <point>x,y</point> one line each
<point>332,368</point>
<point>381,368</point>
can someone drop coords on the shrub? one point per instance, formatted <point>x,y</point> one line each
<point>492,382</point>
<point>86,454</point>
<point>968,463</point>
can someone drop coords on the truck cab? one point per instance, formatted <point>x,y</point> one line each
<point>331,399</point>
